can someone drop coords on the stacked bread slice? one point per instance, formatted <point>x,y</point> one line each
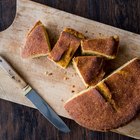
<point>66,46</point>
<point>91,71</point>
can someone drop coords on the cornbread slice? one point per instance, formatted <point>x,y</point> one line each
<point>37,42</point>
<point>112,103</point>
<point>106,47</point>
<point>89,68</point>
<point>66,46</point>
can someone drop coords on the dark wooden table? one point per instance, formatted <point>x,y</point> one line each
<point>18,122</point>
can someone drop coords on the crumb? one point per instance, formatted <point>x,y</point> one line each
<point>46,73</point>
<point>116,37</point>
<point>50,74</point>
<point>93,33</point>
<point>66,78</point>
<point>73,86</point>
<point>72,91</point>
<point>13,77</point>
<point>65,72</point>
<point>86,31</point>
<point>62,100</point>
<point>76,74</point>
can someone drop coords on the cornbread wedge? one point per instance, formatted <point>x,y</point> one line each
<point>66,46</point>
<point>112,103</point>
<point>106,47</point>
<point>89,68</point>
<point>37,42</point>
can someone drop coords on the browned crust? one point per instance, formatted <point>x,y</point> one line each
<point>65,41</point>
<point>124,86</point>
<point>36,24</point>
<point>74,32</point>
<point>90,109</point>
<point>90,68</point>
<point>106,47</point>
<point>37,42</point>
<point>66,46</point>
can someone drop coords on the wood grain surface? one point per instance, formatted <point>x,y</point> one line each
<point>11,129</point>
<point>18,122</point>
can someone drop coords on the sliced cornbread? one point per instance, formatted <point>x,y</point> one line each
<point>89,68</point>
<point>66,46</point>
<point>112,103</point>
<point>37,42</point>
<point>106,47</point>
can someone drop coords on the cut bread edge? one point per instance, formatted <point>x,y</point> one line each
<point>75,34</point>
<point>77,70</point>
<point>91,52</point>
<point>38,23</point>
<point>102,81</point>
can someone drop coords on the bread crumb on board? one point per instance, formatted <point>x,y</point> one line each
<point>72,91</point>
<point>73,86</point>
<point>66,78</point>
<point>48,74</point>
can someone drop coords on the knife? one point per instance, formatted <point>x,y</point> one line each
<point>34,97</point>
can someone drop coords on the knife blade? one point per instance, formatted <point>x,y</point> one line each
<point>35,98</point>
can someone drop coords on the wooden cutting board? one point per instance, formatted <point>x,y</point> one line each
<point>54,84</point>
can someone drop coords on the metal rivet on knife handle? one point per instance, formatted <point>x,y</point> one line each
<point>26,90</point>
<point>11,72</point>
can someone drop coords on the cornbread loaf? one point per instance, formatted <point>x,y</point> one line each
<point>66,46</point>
<point>112,103</point>
<point>37,42</point>
<point>106,47</point>
<point>90,69</point>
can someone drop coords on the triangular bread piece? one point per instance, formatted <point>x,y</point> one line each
<point>67,44</point>
<point>37,42</point>
<point>90,69</point>
<point>105,47</point>
<point>112,103</point>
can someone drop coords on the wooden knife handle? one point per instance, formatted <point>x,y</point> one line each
<point>12,73</point>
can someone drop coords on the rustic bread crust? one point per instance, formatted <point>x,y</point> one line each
<point>114,106</point>
<point>37,42</point>
<point>106,47</point>
<point>66,46</point>
<point>90,69</point>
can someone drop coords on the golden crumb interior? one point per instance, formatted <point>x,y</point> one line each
<point>112,103</point>
<point>105,92</point>
<point>100,83</point>
<point>66,46</point>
